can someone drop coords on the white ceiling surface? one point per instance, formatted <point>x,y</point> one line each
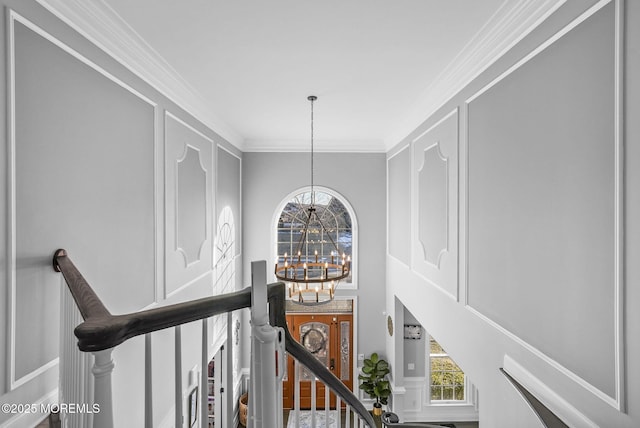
<point>378,67</point>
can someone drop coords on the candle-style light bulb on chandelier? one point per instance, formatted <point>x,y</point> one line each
<point>312,278</point>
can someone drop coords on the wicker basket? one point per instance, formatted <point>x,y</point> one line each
<point>244,399</point>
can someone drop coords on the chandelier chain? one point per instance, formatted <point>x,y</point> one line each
<point>312,99</point>
<point>320,270</point>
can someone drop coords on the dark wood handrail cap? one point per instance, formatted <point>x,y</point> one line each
<point>59,253</point>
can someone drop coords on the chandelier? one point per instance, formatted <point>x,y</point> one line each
<point>312,278</point>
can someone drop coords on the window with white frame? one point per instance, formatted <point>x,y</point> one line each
<point>335,218</point>
<point>447,380</point>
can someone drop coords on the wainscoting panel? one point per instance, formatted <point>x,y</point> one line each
<point>399,198</point>
<point>544,244</point>
<point>414,398</point>
<point>189,194</point>
<point>81,177</point>
<point>435,204</point>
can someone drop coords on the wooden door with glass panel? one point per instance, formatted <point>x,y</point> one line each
<point>329,337</point>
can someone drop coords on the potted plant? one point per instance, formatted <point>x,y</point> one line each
<point>374,383</point>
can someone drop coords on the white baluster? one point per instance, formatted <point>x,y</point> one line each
<point>339,411</point>
<point>296,381</point>
<point>102,369</point>
<point>313,402</point>
<point>148,382</point>
<point>177,369</point>
<point>327,404</point>
<point>348,419</point>
<point>204,375</point>
<point>282,364</point>
<point>279,411</point>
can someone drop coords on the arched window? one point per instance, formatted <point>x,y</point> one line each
<point>336,216</point>
<point>224,253</point>
<point>225,269</point>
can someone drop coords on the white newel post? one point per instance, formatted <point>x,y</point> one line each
<point>102,369</point>
<point>265,340</point>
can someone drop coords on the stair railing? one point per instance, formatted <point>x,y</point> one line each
<point>101,331</point>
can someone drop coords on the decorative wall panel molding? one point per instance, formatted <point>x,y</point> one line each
<point>510,24</point>
<point>191,207</point>
<point>414,396</point>
<point>71,128</point>
<point>189,204</point>
<point>99,23</point>
<point>434,206</point>
<point>433,221</point>
<point>548,240</point>
<point>398,201</point>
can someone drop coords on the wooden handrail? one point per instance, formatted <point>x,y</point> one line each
<point>101,330</point>
<point>547,417</point>
<point>300,353</point>
<point>88,303</point>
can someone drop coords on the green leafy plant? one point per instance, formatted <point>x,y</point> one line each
<point>373,377</point>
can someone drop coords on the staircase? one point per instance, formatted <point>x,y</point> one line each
<point>87,375</point>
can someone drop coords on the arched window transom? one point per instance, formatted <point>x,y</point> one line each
<point>335,217</point>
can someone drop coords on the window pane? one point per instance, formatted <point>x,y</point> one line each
<point>436,364</point>
<point>284,247</point>
<point>459,393</point>
<point>435,347</point>
<point>447,379</point>
<point>447,393</point>
<point>345,368</point>
<point>436,393</point>
<point>436,377</point>
<point>329,233</point>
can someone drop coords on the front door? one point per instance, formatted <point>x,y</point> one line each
<point>329,337</point>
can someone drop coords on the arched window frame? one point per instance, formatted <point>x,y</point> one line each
<point>224,270</point>
<point>354,230</point>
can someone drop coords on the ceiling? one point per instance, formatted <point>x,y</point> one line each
<point>378,67</point>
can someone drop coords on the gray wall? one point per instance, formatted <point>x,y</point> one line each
<point>96,162</point>
<point>360,178</point>
<point>547,172</point>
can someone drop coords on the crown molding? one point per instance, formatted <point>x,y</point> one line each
<point>103,27</point>
<point>320,146</point>
<point>510,24</point>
